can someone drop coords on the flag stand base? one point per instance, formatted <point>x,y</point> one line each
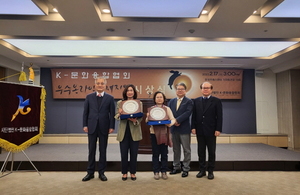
<point>3,169</point>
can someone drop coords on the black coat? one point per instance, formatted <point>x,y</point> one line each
<point>209,119</point>
<point>104,114</point>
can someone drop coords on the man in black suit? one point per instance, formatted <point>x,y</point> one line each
<point>207,122</point>
<point>98,122</point>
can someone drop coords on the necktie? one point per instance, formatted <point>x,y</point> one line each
<point>99,99</point>
<point>204,101</point>
<point>178,103</point>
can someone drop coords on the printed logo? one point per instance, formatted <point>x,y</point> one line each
<point>179,77</point>
<point>20,109</point>
<point>173,77</point>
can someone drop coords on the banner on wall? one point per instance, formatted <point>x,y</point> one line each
<point>22,115</point>
<point>77,83</point>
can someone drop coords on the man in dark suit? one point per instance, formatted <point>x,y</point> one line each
<point>207,125</point>
<point>98,122</point>
<point>182,108</point>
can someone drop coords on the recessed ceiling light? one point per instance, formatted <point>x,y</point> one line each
<point>106,11</point>
<point>17,7</point>
<point>55,10</point>
<point>254,12</point>
<point>151,48</point>
<point>157,8</point>
<point>286,9</point>
<point>204,11</point>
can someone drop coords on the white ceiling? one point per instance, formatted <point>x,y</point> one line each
<point>240,38</point>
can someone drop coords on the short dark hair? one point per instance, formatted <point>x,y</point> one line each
<point>155,94</point>
<point>180,84</point>
<point>126,89</point>
<point>211,86</point>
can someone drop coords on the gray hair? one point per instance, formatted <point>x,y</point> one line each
<point>101,77</point>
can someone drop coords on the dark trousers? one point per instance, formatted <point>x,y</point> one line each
<point>92,138</point>
<point>210,143</point>
<point>159,150</point>
<point>129,146</point>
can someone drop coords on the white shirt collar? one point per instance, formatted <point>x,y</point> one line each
<point>207,97</point>
<point>180,98</point>
<point>97,93</point>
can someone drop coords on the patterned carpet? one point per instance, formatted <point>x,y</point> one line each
<point>229,183</point>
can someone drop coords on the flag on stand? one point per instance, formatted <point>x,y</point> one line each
<point>22,115</point>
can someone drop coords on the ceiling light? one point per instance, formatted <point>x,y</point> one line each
<point>55,10</point>
<point>148,48</point>
<point>157,8</point>
<point>204,11</point>
<point>106,11</point>
<point>254,12</point>
<point>286,9</point>
<point>17,7</point>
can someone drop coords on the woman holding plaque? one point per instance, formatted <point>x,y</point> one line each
<point>160,135</point>
<point>129,133</point>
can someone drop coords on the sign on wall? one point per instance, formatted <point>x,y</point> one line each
<point>77,83</point>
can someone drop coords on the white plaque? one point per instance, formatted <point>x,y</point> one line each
<point>130,106</point>
<point>158,113</point>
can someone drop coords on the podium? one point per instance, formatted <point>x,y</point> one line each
<point>145,144</point>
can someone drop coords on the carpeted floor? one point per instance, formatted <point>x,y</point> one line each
<point>225,182</point>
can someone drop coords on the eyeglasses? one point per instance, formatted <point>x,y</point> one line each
<point>100,83</point>
<point>181,89</point>
<point>206,87</point>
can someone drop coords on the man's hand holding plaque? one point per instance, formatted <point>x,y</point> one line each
<point>158,116</point>
<point>131,109</point>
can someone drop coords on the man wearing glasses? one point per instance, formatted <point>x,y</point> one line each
<point>182,108</point>
<point>207,125</point>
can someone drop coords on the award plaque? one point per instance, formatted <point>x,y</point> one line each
<point>158,116</point>
<point>131,109</point>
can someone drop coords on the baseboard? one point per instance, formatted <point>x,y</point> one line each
<point>277,140</point>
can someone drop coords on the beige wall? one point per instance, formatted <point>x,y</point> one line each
<point>266,102</point>
<point>295,92</point>
<point>288,106</point>
<point>2,73</point>
<point>15,79</point>
<point>273,140</point>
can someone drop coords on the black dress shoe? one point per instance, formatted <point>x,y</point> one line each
<point>175,171</point>
<point>184,174</point>
<point>210,175</point>
<point>102,177</point>
<point>133,177</point>
<point>201,174</point>
<point>124,177</point>
<point>88,177</point>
